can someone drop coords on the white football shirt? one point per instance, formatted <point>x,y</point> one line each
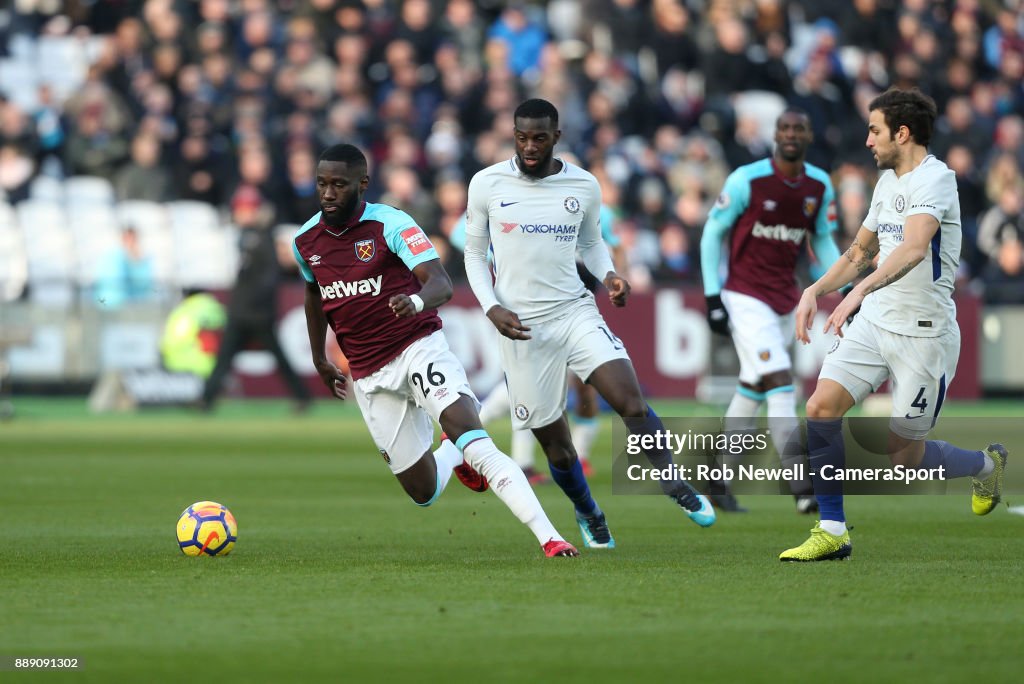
<point>535,226</point>
<point>920,304</point>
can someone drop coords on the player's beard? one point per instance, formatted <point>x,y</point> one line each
<point>792,156</point>
<point>344,213</point>
<point>543,164</point>
<point>888,160</point>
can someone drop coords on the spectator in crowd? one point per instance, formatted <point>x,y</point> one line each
<point>430,87</point>
<point>125,275</point>
<point>1000,239</point>
<point>144,178</point>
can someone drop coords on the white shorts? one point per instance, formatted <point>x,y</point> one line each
<point>762,337</point>
<point>920,368</point>
<point>402,400</point>
<point>535,368</point>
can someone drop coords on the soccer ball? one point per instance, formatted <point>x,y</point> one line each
<point>207,527</point>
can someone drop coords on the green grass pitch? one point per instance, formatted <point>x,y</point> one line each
<point>338,577</point>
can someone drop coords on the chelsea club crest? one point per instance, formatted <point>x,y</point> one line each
<point>571,204</point>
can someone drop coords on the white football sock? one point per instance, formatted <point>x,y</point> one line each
<point>783,424</point>
<point>495,405</point>
<point>509,484</point>
<point>833,527</point>
<point>523,442</point>
<point>584,432</point>
<point>741,412</point>
<point>446,457</point>
<point>986,469</point>
<point>739,416</point>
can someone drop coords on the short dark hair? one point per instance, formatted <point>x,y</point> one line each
<point>343,152</point>
<point>537,109</point>
<point>793,109</point>
<point>910,108</point>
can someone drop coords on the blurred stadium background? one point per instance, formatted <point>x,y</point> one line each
<point>169,116</point>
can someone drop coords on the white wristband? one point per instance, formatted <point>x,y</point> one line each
<point>417,302</point>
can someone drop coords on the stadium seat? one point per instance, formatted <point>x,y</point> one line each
<point>49,249</point>
<point>81,191</point>
<point>95,233</point>
<point>206,252</point>
<point>46,189</point>
<point>13,262</point>
<point>763,106</point>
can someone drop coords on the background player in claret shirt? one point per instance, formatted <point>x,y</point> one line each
<point>536,211</point>
<point>769,209</point>
<point>906,330</point>
<point>372,274</point>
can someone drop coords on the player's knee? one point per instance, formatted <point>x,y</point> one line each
<point>559,454</point>
<point>633,406</point>
<point>422,493</point>
<point>822,408</point>
<point>422,497</point>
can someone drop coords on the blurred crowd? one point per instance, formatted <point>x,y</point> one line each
<point>660,99</point>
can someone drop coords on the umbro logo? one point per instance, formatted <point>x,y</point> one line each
<point>314,260</point>
<point>508,204</point>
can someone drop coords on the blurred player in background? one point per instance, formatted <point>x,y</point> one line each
<point>906,329</point>
<point>769,209</point>
<point>372,274</point>
<point>536,211</point>
<point>252,305</point>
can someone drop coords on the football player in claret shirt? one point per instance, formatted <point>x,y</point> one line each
<point>769,210</point>
<point>372,275</point>
<point>536,212</point>
<point>906,330</point>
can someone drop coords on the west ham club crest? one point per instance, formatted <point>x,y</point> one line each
<point>810,205</point>
<point>365,249</point>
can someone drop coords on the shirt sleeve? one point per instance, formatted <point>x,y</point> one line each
<point>933,193</point>
<point>409,242</point>
<point>608,233</point>
<point>591,248</point>
<point>827,216</point>
<point>825,251</point>
<point>307,273</point>
<point>733,200</point>
<point>478,239</point>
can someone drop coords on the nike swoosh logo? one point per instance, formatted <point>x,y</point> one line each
<point>910,417</point>
<point>508,204</point>
<point>210,538</point>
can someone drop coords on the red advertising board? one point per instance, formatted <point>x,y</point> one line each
<point>664,330</point>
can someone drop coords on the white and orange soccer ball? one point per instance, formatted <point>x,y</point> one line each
<point>207,527</point>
